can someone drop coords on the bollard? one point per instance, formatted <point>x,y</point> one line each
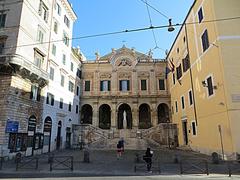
<point>1,162</point>
<point>86,155</point>
<point>71,163</point>
<point>36,164</point>
<point>50,161</point>
<point>207,170</point>
<point>137,159</point>
<point>229,169</point>
<point>181,168</point>
<point>18,160</point>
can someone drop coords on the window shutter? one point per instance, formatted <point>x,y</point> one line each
<point>47,98</point>
<point>128,85</point>
<point>40,8</point>
<point>31,93</point>
<point>120,85</point>
<point>109,85</point>
<point>52,100</point>
<point>38,94</point>
<point>101,85</point>
<point>47,15</point>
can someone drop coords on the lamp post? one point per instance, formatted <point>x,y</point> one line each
<point>220,133</point>
<point>170,29</point>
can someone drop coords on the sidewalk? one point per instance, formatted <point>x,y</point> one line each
<point>105,163</point>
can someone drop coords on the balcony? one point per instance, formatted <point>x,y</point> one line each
<point>17,64</point>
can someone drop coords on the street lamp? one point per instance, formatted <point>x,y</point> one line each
<point>170,27</point>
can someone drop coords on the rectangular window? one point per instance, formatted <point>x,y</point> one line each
<point>161,84</point>
<point>186,63</point>
<point>190,97</point>
<point>59,9</point>
<point>40,34</point>
<point>179,71</point>
<point>62,80</point>
<point>200,15</point>
<point>205,40</point>
<point>64,59</point>
<point>55,27</point>
<point>61,103</point>
<point>87,85</point>
<point>124,85</point>
<point>70,107</point>
<point>70,86</point>
<point>183,103</point>
<point>105,85</point>
<point>143,84</point>
<point>76,109</point>
<point>72,67</point>
<point>35,93</point>
<point>50,99</point>
<point>210,86</point>
<point>176,106</point>
<point>54,49</point>
<point>65,39</point>
<point>38,59</point>
<point>77,91</point>
<point>194,132</point>
<point>51,74</point>
<point>43,11</point>
<point>79,73</point>
<point>2,20</point>
<point>66,21</point>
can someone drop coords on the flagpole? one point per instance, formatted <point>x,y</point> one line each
<point>191,78</point>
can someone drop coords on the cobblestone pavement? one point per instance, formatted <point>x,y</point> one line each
<point>105,163</point>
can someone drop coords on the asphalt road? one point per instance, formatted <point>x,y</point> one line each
<point>158,177</point>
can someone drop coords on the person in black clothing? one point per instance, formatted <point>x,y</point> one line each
<point>148,159</point>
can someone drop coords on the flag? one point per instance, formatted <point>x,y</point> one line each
<point>171,65</point>
<point>167,71</point>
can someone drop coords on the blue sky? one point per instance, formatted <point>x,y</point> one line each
<point>102,16</point>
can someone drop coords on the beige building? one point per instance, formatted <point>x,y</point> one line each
<point>204,83</point>
<point>124,89</point>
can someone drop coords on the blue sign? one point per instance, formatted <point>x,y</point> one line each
<point>12,126</point>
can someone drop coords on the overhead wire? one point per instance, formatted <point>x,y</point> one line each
<point>151,25</point>
<point>125,31</point>
<point>149,5</point>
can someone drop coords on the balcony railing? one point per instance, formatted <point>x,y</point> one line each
<point>20,63</point>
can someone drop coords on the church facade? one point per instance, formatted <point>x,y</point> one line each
<point>124,85</point>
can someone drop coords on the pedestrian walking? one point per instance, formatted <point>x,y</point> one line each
<point>122,144</point>
<point>119,150</point>
<point>148,159</point>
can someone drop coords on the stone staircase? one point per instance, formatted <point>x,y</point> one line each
<point>129,143</point>
<point>155,137</point>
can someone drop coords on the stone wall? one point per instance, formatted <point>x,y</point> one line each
<point>15,104</point>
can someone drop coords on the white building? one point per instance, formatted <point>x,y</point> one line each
<point>61,106</point>
<point>31,69</point>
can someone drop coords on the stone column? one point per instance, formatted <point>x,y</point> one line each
<point>134,82</point>
<point>154,115</point>
<point>114,117</point>
<point>152,82</point>
<point>135,117</point>
<point>95,117</point>
<point>114,83</point>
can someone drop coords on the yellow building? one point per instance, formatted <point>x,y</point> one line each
<point>205,79</point>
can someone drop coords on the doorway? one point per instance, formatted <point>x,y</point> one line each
<point>68,138</point>
<point>185,132</point>
<point>59,135</point>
